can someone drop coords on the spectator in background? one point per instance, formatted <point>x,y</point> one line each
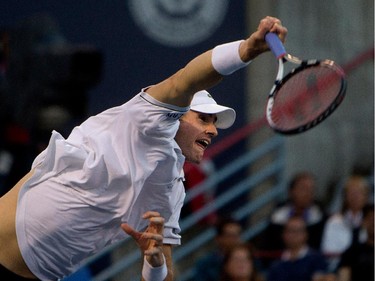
<point>195,175</point>
<point>228,235</point>
<point>298,262</point>
<point>239,265</point>
<point>344,228</point>
<point>357,262</point>
<point>301,203</point>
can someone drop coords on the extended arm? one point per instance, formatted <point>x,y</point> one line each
<point>200,74</point>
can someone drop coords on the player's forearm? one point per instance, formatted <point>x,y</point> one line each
<point>201,73</point>
<point>179,88</point>
<point>198,74</point>
<point>167,250</point>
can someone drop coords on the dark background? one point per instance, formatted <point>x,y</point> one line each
<point>131,60</point>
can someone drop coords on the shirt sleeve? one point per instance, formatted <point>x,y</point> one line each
<point>172,227</point>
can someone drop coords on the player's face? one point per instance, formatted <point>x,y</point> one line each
<point>195,134</point>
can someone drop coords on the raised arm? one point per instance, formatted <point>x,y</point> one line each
<point>206,70</point>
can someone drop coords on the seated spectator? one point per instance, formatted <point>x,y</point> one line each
<point>301,202</point>
<point>298,262</point>
<point>239,265</point>
<point>344,228</point>
<point>357,262</point>
<point>228,234</point>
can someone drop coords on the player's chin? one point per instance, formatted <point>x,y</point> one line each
<point>196,158</point>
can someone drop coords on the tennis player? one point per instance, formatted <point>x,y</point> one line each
<point>120,173</point>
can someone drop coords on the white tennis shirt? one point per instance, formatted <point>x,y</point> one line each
<point>111,169</point>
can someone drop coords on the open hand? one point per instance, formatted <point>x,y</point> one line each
<point>151,240</point>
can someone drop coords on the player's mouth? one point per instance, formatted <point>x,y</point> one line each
<point>203,143</point>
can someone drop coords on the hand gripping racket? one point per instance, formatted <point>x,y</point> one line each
<point>304,97</point>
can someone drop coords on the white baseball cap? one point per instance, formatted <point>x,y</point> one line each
<point>203,102</point>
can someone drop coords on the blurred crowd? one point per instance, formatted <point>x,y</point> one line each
<point>305,240</point>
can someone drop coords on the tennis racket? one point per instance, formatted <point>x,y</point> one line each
<point>305,96</point>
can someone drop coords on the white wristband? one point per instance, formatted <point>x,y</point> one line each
<point>150,273</point>
<point>226,58</point>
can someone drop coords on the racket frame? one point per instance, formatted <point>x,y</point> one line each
<point>280,80</point>
<point>282,56</point>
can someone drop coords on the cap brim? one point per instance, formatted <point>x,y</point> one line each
<point>225,115</point>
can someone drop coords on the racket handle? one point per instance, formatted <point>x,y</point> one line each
<point>275,45</point>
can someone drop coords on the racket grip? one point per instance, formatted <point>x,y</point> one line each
<point>275,45</point>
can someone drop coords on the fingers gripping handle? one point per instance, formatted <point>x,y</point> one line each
<point>275,45</point>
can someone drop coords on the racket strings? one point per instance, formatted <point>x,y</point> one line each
<point>306,95</point>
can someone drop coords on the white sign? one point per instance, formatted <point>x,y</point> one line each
<point>178,23</point>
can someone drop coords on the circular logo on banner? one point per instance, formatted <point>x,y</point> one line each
<point>178,23</point>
